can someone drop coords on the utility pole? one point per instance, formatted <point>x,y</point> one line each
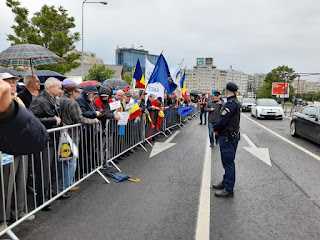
<point>82,29</point>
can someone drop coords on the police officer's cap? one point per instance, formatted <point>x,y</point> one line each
<point>232,87</point>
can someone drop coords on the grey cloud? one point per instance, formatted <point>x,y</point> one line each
<point>251,35</point>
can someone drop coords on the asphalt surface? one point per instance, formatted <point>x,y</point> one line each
<point>278,202</point>
<point>163,205</point>
<point>281,201</point>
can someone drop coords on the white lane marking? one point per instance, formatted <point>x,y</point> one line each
<point>306,151</point>
<point>260,153</point>
<point>203,221</point>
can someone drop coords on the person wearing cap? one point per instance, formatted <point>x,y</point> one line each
<point>86,102</point>
<point>228,129</point>
<point>102,105</point>
<point>19,169</point>
<point>69,107</point>
<point>213,108</point>
<point>17,125</point>
<point>70,114</point>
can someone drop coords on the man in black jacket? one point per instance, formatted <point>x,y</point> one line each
<point>213,108</point>
<point>20,133</point>
<point>202,105</point>
<point>17,125</point>
<point>46,108</point>
<point>31,90</point>
<point>86,102</point>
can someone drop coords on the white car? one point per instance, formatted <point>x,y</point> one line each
<point>267,108</point>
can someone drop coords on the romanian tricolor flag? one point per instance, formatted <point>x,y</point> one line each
<point>139,77</point>
<point>135,112</point>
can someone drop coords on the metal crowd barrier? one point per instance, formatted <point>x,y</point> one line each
<point>73,153</point>
<point>194,114</point>
<point>152,129</point>
<point>121,139</point>
<point>31,183</point>
<point>172,118</point>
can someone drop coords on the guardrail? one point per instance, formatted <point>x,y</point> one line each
<point>73,154</point>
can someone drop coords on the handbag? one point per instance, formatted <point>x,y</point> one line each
<point>67,148</point>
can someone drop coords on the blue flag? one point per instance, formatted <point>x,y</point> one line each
<point>161,74</point>
<point>137,72</point>
<point>138,76</point>
<point>181,82</point>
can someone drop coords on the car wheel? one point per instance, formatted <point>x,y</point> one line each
<point>257,116</point>
<point>293,132</point>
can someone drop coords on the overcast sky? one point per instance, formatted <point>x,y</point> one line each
<point>251,35</point>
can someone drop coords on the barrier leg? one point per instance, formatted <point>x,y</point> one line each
<point>12,235</point>
<point>143,147</point>
<point>147,141</point>
<point>115,165</point>
<point>103,176</point>
<point>164,133</point>
<point>181,123</point>
<point>169,131</point>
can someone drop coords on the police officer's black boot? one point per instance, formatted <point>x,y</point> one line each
<point>223,194</point>
<point>218,186</point>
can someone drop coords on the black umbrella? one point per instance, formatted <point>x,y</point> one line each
<point>43,75</point>
<point>115,84</point>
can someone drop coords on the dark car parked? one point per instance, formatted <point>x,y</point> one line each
<point>247,103</point>
<point>306,124</point>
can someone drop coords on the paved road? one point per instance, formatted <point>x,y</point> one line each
<point>277,202</point>
<point>163,206</point>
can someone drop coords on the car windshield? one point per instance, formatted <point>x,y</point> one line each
<point>267,102</point>
<point>249,100</point>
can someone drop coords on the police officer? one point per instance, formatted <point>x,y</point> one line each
<point>229,135</point>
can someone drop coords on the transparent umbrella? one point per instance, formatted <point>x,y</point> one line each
<point>28,55</point>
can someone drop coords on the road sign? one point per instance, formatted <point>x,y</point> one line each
<point>280,89</point>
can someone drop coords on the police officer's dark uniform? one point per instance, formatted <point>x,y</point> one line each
<point>228,130</point>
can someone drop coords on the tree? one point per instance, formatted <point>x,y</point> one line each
<point>276,75</point>
<point>127,76</point>
<point>99,72</point>
<point>51,28</point>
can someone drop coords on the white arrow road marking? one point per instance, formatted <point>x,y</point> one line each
<point>260,153</point>
<point>302,149</point>
<point>159,147</point>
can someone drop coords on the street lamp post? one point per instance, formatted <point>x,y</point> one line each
<point>82,36</point>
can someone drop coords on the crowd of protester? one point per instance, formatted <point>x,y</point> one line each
<point>35,168</point>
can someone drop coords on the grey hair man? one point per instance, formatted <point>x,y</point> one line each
<point>31,90</point>
<point>46,108</point>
